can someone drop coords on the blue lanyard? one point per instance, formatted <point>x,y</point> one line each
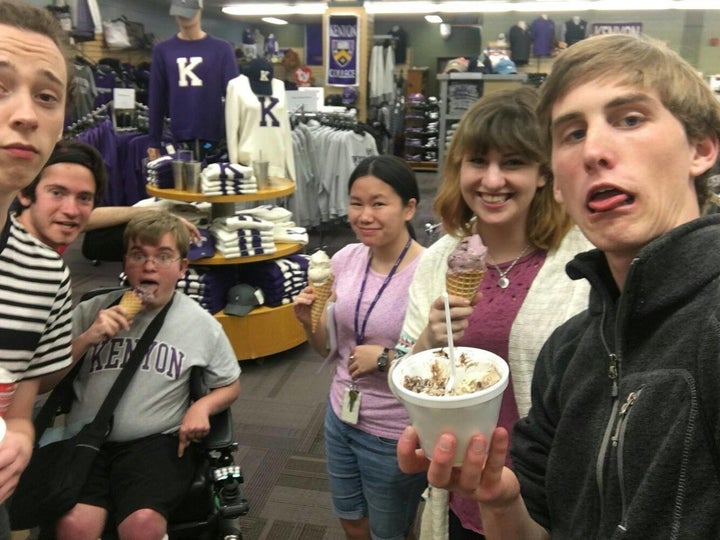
<point>360,330</point>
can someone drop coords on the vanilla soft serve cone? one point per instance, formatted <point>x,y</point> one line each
<point>320,276</point>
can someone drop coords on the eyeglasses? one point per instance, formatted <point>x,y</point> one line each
<point>164,260</point>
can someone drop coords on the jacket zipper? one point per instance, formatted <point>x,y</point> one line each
<point>618,442</point>
<point>614,374</point>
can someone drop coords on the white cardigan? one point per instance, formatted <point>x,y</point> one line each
<point>551,300</point>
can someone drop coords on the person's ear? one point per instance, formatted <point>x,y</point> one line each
<point>557,193</point>
<point>705,154</point>
<point>24,201</point>
<point>410,209</point>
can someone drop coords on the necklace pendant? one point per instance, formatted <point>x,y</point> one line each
<point>503,282</point>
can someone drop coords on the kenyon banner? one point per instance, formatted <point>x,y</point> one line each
<point>632,28</point>
<point>343,50</point>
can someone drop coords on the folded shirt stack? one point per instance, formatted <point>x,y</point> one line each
<point>158,173</point>
<point>208,285</point>
<point>243,236</point>
<point>285,229</point>
<point>290,235</point>
<point>227,179</point>
<point>280,279</point>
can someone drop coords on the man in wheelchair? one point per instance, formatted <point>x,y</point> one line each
<point>150,458</point>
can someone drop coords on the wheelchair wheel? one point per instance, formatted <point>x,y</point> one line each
<point>229,531</point>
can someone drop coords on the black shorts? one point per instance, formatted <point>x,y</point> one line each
<point>144,473</point>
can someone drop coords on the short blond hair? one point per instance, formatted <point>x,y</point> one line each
<point>641,62</point>
<point>150,226</point>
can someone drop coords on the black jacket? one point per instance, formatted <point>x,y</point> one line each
<point>622,439</point>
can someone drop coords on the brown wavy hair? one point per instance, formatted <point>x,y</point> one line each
<point>504,121</point>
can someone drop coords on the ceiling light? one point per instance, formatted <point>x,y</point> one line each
<point>435,19</point>
<point>274,9</point>
<point>393,7</point>
<point>422,7</point>
<point>274,20</point>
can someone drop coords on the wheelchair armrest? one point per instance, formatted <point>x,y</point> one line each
<point>221,433</point>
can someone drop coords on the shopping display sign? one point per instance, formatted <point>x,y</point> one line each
<point>343,35</point>
<point>631,28</point>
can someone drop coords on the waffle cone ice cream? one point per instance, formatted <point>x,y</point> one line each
<point>322,293</point>
<point>464,284</point>
<point>321,278</point>
<point>466,267</point>
<point>131,303</point>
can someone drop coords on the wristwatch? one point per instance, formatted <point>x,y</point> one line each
<point>382,360</point>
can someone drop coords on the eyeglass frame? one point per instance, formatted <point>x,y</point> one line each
<point>141,259</point>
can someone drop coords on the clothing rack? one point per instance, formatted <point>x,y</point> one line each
<point>345,119</point>
<point>388,40</point>
<point>89,120</point>
<point>131,120</point>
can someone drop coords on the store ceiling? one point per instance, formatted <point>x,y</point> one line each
<point>214,8</point>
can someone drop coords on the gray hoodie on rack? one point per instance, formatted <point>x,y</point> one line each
<point>623,435</point>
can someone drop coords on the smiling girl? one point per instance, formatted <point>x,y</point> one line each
<point>363,420</point>
<point>497,183</point>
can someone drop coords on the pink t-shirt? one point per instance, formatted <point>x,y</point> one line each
<point>489,329</point>
<point>380,413</point>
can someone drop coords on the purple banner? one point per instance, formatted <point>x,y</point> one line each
<point>343,34</point>
<point>313,44</point>
<point>632,28</point>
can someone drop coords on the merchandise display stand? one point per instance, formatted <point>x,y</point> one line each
<point>485,83</point>
<point>265,330</point>
<point>421,135</point>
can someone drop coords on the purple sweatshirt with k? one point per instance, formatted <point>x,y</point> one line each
<point>188,80</point>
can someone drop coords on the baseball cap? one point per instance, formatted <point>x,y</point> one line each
<point>260,72</point>
<point>205,247</point>
<point>505,66</point>
<point>185,8</point>
<point>349,95</point>
<point>456,65</point>
<point>242,298</point>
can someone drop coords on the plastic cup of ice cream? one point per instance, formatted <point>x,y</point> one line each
<point>464,415</point>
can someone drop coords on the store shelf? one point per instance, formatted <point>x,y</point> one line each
<point>281,251</point>
<point>263,331</point>
<point>279,188</point>
<point>423,165</point>
<point>485,83</point>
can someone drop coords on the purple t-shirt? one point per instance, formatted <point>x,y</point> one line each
<point>380,413</point>
<point>489,329</point>
<point>188,81</point>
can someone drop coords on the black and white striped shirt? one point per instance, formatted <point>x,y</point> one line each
<point>35,306</point>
